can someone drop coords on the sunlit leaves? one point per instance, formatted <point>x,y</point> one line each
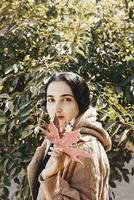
<point>38,38</point>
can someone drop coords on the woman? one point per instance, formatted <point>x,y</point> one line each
<point>61,178</point>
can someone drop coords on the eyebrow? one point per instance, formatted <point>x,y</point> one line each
<point>61,95</point>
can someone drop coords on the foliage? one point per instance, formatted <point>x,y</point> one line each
<point>37,38</point>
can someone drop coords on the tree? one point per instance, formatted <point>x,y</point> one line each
<point>37,38</point>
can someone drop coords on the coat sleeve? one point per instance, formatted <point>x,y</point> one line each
<point>84,183</point>
<point>33,168</point>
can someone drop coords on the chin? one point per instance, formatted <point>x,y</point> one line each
<point>62,126</point>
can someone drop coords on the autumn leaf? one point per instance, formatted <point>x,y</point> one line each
<point>65,142</point>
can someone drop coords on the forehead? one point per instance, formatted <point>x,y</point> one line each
<point>58,88</point>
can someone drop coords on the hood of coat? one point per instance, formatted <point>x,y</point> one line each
<point>88,125</point>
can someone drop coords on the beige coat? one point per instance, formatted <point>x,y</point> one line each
<point>76,182</point>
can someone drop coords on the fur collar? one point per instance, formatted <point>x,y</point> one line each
<point>88,125</point>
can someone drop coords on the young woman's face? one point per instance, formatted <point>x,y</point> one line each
<point>61,102</point>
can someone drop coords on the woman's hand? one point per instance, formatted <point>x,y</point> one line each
<point>55,163</point>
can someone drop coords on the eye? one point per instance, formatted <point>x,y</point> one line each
<point>50,100</point>
<point>67,99</point>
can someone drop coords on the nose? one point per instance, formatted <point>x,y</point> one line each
<point>58,108</point>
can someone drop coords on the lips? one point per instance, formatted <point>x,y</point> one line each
<point>60,117</point>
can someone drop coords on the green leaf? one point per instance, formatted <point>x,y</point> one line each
<point>7,181</point>
<point>116,129</point>
<point>4,96</point>
<point>27,131</point>
<point>112,184</point>
<point>9,106</point>
<point>39,38</point>
<point>123,136</point>
<point>126,178</point>
<point>132,172</point>
<point>3,120</point>
<point>6,191</point>
<point>16,180</point>
<point>81,52</point>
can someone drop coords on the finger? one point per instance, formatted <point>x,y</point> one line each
<point>48,133</point>
<point>54,155</point>
<point>44,131</point>
<point>56,149</point>
<point>57,152</point>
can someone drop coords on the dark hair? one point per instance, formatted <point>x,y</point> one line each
<point>78,86</point>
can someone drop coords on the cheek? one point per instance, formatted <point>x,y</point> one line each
<point>49,110</point>
<point>73,111</point>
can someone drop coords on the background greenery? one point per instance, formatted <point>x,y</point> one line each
<point>37,38</point>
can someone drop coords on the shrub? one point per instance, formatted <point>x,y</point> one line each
<point>37,38</point>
